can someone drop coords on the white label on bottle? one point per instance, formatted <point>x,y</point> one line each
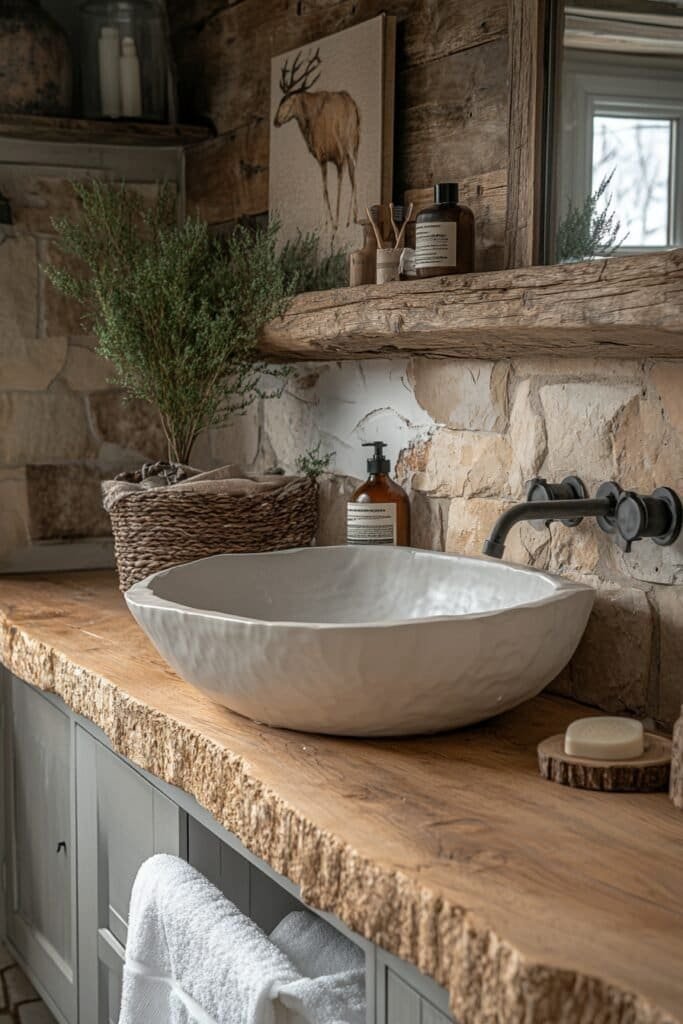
<point>436,244</point>
<point>370,522</point>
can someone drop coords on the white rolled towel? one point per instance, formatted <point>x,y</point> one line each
<point>332,986</point>
<point>193,958</point>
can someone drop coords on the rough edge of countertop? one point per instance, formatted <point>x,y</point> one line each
<point>488,980</point>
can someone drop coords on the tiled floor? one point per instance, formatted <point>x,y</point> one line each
<point>19,1001</point>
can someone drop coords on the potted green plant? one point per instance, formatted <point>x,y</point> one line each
<point>177,312</point>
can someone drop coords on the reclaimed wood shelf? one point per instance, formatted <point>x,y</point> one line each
<point>527,901</point>
<point>104,133</point>
<point>622,307</point>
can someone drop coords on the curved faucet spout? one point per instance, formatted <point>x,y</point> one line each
<point>548,511</point>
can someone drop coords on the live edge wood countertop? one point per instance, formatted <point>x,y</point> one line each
<point>532,903</point>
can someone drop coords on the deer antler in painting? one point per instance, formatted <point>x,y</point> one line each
<point>294,79</point>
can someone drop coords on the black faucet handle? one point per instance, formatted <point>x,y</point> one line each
<point>656,515</point>
<point>539,489</point>
<point>571,488</point>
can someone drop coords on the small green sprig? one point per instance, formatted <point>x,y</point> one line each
<point>584,232</point>
<point>313,463</point>
<point>307,270</point>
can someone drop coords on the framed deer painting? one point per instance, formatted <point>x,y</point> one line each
<point>331,134</point>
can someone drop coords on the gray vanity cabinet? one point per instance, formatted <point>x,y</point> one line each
<point>121,821</point>
<point>39,856</point>
<point>81,820</point>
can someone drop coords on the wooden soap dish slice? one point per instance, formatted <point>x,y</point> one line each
<point>643,774</point>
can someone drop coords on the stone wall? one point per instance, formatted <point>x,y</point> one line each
<point>63,427</point>
<point>465,436</point>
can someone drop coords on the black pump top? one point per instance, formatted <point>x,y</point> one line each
<point>377,464</point>
<point>446,192</point>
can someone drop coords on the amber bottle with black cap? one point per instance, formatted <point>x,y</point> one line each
<point>379,510</point>
<point>444,235</point>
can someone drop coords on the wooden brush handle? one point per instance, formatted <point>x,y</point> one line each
<point>378,236</point>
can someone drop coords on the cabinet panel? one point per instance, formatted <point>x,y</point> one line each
<point>252,891</point>
<point>222,866</point>
<point>404,1005</point>
<point>405,996</point>
<point>39,763</point>
<point>430,1015</point>
<point>127,815</point>
<point>269,902</point>
<point>403,1002</point>
<point>111,955</point>
<point>121,821</point>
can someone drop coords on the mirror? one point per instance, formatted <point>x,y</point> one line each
<point>614,165</point>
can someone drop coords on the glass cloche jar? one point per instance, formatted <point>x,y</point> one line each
<point>124,60</point>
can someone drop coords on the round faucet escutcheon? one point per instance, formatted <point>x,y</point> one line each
<point>569,489</point>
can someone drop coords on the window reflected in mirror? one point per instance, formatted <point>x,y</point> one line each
<point>617,179</point>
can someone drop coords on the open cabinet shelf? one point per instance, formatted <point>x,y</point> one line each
<point>622,307</point>
<point>103,133</point>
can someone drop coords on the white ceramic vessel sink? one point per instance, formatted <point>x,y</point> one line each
<point>362,641</point>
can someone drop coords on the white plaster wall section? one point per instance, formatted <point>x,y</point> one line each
<point>354,402</point>
<point>343,405</point>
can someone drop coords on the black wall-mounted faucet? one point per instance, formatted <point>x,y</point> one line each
<point>627,515</point>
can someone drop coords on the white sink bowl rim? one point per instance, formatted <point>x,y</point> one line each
<point>362,641</point>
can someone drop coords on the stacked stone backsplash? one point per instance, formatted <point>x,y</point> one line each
<point>63,427</point>
<point>467,436</point>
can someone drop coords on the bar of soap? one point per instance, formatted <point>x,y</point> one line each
<point>605,738</point>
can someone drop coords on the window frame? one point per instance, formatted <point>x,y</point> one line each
<point>610,85</point>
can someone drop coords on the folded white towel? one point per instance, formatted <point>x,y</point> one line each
<point>193,958</point>
<point>332,987</point>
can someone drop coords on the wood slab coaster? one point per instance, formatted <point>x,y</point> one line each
<point>643,774</point>
<point>676,788</point>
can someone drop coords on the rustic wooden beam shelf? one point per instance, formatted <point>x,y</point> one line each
<point>104,133</point>
<point>623,307</point>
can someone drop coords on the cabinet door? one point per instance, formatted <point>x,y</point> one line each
<point>121,821</point>
<point>40,917</point>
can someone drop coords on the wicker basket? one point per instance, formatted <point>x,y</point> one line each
<point>155,529</point>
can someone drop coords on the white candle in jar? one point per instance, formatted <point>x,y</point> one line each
<point>131,92</point>
<point>108,59</point>
<point>605,738</point>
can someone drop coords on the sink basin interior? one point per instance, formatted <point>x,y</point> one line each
<point>349,586</point>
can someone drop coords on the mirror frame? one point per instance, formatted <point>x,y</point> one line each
<point>535,37</point>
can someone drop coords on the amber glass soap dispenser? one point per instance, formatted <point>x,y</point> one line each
<point>379,510</point>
